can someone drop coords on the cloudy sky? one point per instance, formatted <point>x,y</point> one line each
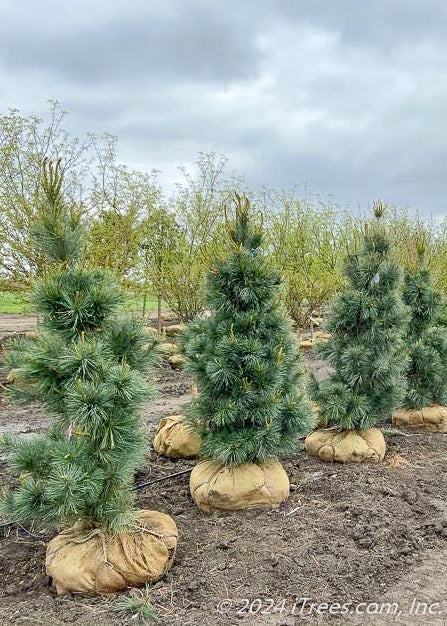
<point>346,95</point>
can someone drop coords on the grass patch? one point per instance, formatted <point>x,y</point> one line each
<point>14,303</point>
<point>134,304</point>
<point>18,304</point>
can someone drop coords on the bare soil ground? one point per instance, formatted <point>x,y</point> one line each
<point>351,534</point>
<point>13,324</point>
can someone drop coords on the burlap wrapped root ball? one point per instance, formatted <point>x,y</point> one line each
<point>174,330</point>
<point>320,335</point>
<point>167,349</point>
<point>175,438</point>
<point>347,446</point>
<point>432,418</point>
<point>176,361</point>
<point>92,562</point>
<point>150,331</point>
<point>246,486</point>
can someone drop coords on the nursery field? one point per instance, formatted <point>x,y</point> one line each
<point>348,534</point>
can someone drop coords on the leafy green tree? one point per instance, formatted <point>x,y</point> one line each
<point>426,339</point>
<point>25,142</point>
<point>306,242</point>
<point>367,352</point>
<point>114,241</point>
<point>181,284</point>
<point>250,405</point>
<point>123,199</point>
<point>160,236</point>
<point>198,208</point>
<point>86,367</point>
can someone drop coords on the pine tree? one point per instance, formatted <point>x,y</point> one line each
<point>366,350</point>
<point>250,405</point>
<point>58,228</point>
<point>87,367</point>
<point>426,338</point>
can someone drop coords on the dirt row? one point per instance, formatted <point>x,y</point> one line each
<point>357,536</point>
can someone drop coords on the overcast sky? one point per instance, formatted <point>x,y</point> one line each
<point>349,96</point>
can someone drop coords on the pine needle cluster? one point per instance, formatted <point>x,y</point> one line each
<point>251,405</point>
<point>136,607</point>
<point>367,351</point>
<point>87,366</point>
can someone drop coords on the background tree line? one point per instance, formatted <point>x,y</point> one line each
<point>158,244</point>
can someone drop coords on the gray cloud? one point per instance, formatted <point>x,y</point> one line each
<point>346,95</point>
<point>196,42</point>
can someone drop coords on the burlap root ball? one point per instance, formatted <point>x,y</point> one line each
<point>166,349</point>
<point>306,344</point>
<point>320,335</point>
<point>432,418</point>
<point>174,438</point>
<point>347,446</point>
<point>246,486</point>
<point>174,330</point>
<point>91,562</point>
<point>150,330</point>
<point>176,361</point>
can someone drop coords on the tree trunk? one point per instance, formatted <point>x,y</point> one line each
<point>144,303</point>
<point>159,315</point>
